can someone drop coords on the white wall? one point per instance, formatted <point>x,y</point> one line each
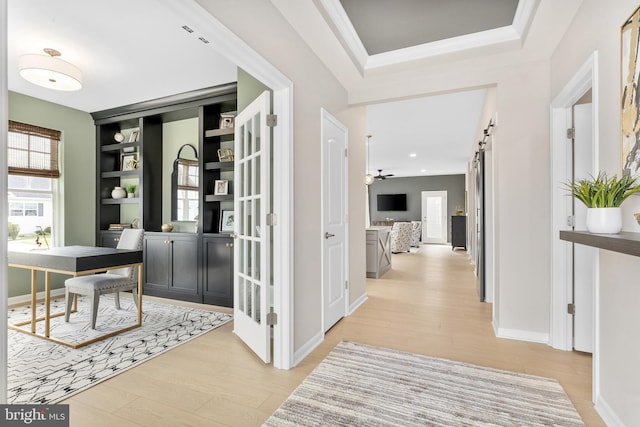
<point>262,27</point>
<point>597,27</point>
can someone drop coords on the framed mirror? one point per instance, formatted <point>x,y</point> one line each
<point>184,185</point>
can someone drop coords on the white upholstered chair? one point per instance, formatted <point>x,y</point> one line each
<point>113,281</point>
<point>416,232</point>
<point>401,237</point>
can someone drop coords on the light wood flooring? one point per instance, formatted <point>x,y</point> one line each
<point>427,304</point>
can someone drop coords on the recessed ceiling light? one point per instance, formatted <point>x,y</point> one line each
<point>412,155</point>
<point>423,170</point>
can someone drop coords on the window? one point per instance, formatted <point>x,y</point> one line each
<point>32,157</point>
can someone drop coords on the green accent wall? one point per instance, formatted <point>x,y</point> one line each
<point>77,181</point>
<point>249,88</point>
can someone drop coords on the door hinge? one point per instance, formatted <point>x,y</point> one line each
<point>272,219</point>
<point>571,222</point>
<point>571,133</point>
<point>272,319</point>
<point>571,309</point>
<point>272,120</point>
<point>346,284</point>
<point>346,152</point>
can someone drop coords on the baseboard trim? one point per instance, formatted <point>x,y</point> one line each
<point>607,414</point>
<point>357,303</point>
<point>307,348</point>
<point>26,299</point>
<point>520,335</point>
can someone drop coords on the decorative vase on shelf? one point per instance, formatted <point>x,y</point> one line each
<point>604,220</point>
<point>118,193</point>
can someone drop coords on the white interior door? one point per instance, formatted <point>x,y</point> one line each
<point>434,217</point>
<point>334,224</point>
<point>584,257</point>
<point>252,203</point>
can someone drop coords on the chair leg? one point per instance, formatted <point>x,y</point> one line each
<point>95,300</point>
<point>134,292</point>
<point>68,299</point>
<point>117,298</point>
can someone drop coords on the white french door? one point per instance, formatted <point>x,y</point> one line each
<point>434,217</point>
<point>252,251</point>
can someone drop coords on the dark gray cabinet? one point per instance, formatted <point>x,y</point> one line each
<point>171,266</point>
<point>459,232</point>
<point>195,266</point>
<point>217,270</point>
<point>109,239</point>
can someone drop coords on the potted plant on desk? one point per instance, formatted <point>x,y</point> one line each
<point>603,196</point>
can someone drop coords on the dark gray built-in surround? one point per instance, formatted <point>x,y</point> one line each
<point>413,187</point>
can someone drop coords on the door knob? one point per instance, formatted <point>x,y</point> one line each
<point>327,235</point>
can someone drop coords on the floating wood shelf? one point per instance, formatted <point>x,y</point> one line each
<point>218,132</point>
<point>625,242</point>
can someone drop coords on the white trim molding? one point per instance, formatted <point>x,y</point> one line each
<point>357,303</point>
<point>510,36</point>
<point>561,331</point>
<point>521,335</point>
<point>237,51</point>
<point>4,283</point>
<point>308,347</point>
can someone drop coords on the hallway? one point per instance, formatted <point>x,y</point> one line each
<point>427,304</point>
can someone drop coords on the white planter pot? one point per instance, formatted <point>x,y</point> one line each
<point>604,220</point>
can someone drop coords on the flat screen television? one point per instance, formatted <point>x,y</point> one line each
<point>392,202</point>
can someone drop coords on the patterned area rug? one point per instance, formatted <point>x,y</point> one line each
<point>41,372</point>
<point>361,385</point>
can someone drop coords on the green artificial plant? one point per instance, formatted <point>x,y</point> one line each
<point>602,191</point>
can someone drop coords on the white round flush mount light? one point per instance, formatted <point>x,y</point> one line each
<point>50,71</point>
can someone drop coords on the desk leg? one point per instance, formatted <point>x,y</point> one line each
<point>34,292</point>
<point>47,302</point>
<point>140,295</point>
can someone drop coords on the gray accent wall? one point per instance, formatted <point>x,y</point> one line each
<point>413,188</point>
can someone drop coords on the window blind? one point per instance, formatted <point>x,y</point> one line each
<point>32,150</point>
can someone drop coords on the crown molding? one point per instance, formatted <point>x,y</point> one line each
<point>508,37</point>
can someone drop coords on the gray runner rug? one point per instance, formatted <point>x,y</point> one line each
<point>362,385</point>
<point>42,372</point>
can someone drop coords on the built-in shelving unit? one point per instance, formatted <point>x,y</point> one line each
<point>195,266</point>
<point>625,242</point>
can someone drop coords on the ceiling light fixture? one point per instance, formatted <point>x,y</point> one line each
<point>412,155</point>
<point>50,71</point>
<point>368,178</point>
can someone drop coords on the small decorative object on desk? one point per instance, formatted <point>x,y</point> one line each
<point>225,154</point>
<point>118,137</point>
<point>227,120</point>
<point>166,228</point>
<point>118,193</point>
<point>135,223</point>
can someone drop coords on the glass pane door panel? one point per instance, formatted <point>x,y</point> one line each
<point>256,300</point>
<point>434,217</point>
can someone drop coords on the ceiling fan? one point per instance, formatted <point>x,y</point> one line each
<point>380,176</point>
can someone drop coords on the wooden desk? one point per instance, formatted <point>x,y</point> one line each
<point>74,261</point>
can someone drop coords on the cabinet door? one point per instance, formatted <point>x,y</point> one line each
<point>156,263</point>
<point>184,265</point>
<point>218,271</point>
